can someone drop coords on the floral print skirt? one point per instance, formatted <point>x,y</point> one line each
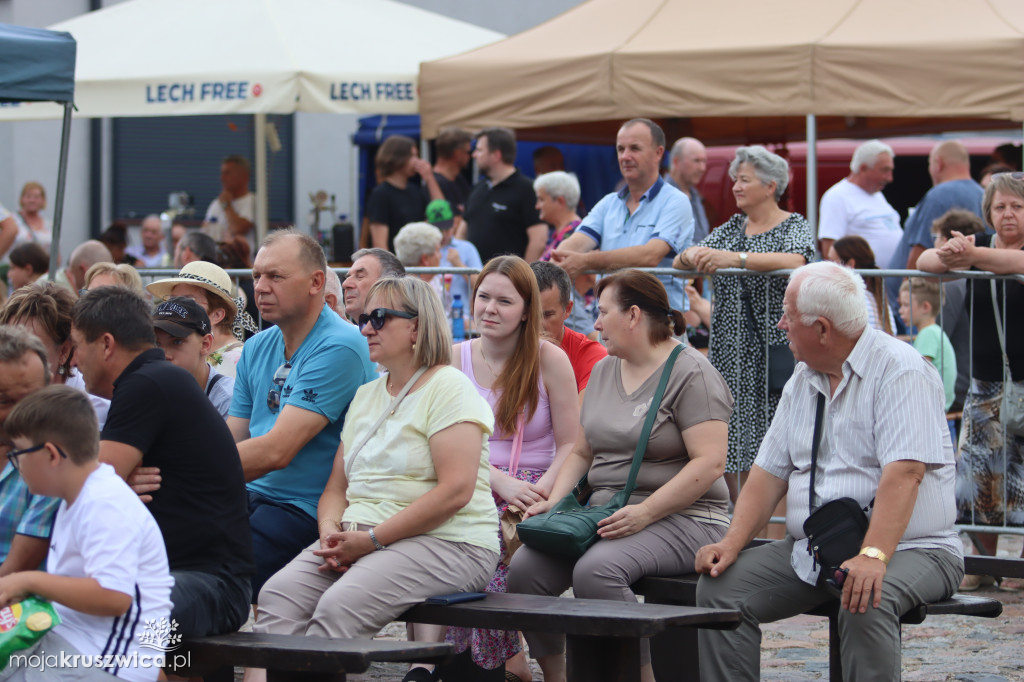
<point>491,648</point>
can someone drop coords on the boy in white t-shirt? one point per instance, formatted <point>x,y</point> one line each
<point>106,572</point>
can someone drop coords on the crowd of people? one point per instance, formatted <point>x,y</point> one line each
<point>170,460</point>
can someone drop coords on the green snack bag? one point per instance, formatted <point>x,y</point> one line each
<point>23,624</point>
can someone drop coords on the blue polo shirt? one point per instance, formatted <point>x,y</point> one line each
<point>664,213</point>
<point>332,362</point>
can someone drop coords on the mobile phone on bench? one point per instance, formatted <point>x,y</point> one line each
<point>454,598</point>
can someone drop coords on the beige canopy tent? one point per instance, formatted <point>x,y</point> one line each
<point>741,70</point>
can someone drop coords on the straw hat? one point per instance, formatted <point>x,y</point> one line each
<point>200,274</point>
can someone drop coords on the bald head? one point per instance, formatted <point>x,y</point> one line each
<point>84,257</point>
<point>949,160</point>
<point>688,162</point>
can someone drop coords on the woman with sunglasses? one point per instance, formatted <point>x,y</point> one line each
<point>990,472</point>
<point>531,387</point>
<point>407,511</point>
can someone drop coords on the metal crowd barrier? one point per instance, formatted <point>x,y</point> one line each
<point>149,275</point>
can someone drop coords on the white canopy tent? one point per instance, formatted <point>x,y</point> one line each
<point>192,57</point>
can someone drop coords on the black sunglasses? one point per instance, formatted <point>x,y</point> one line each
<point>274,395</point>
<point>376,318</point>
<point>13,455</point>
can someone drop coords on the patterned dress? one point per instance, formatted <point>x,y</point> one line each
<point>739,352</point>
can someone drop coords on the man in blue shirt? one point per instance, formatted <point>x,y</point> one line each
<point>292,390</point>
<point>25,519</point>
<point>688,162</point>
<point>949,165</point>
<point>645,224</point>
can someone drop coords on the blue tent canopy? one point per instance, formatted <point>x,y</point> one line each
<point>39,65</point>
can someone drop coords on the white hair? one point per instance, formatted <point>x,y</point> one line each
<point>829,290</point>
<point>867,154</point>
<point>767,166</point>
<point>560,184</point>
<point>416,240</point>
<point>332,285</point>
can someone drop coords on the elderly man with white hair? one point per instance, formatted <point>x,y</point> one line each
<point>856,206</point>
<point>879,409</point>
<point>332,294</point>
<point>419,245</point>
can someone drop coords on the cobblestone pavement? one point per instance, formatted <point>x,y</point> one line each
<point>942,649</point>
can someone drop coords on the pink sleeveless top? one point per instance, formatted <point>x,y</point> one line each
<point>538,435</point>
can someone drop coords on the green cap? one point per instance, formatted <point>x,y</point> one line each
<point>439,214</point>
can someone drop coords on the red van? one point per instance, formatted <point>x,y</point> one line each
<point>910,179</point>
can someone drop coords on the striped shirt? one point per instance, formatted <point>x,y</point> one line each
<point>888,407</point>
<point>21,512</point>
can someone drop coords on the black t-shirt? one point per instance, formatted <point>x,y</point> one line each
<point>498,216</point>
<point>455,191</point>
<point>986,355</point>
<point>201,507</point>
<point>395,207</point>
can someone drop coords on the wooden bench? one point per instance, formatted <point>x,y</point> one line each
<point>295,658</point>
<point>602,638</point>
<point>676,653</point>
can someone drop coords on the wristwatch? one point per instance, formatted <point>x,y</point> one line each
<point>874,553</point>
<point>743,260</point>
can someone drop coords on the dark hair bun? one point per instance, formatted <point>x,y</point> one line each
<point>678,322</point>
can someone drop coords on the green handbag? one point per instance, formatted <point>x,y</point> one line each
<point>569,528</point>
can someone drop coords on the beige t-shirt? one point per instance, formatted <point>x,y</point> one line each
<point>395,468</point>
<point>612,421</point>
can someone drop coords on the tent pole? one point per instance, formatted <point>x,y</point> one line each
<point>62,175</point>
<point>812,174</point>
<point>353,197</point>
<point>262,183</point>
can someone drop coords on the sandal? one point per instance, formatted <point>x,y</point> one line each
<point>1011,585</point>
<point>971,583</point>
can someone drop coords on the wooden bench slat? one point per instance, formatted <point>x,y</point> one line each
<point>958,604</point>
<point>592,617</point>
<point>1002,567</point>
<point>304,654</point>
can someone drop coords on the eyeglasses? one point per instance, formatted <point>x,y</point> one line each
<point>13,455</point>
<point>274,395</point>
<point>1015,175</point>
<point>376,318</point>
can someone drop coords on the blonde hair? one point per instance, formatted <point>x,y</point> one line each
<point>923,290</point>
<point>30,185</point>
<point>125,275</point>
<point>413,295</point>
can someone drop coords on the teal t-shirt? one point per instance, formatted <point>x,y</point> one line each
<point>332,362</point>
<point>933,343</point>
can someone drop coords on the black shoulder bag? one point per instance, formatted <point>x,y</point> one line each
<point>781,362</point>
<point>836,529</point>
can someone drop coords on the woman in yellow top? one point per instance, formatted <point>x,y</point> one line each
<point>407,512</point>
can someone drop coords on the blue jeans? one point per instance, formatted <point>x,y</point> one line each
<point>280,531</point>
<point>208,603</point>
